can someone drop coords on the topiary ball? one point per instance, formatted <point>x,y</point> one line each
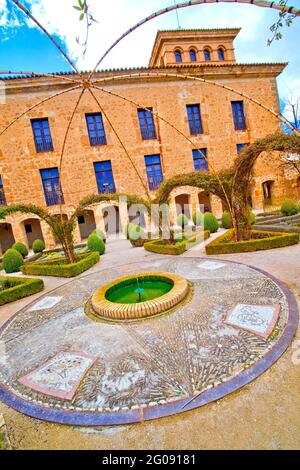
<point>198,218</point>
<point>12,261</point>
<point>128,228</point>
<point>95,243</point>
<point>289,207</point>
<point>135,232</point>
<point>21,248</point>
<point>182,220</point>
<point>38,246</point>
<point>210,222</point>
<point>226,220</point>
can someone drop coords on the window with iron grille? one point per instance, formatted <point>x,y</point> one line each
<point>178,56</point>
<point>42,135</point>
<point>104,177</point>
<point>147,125</point>
<point>2,195</point>
<point>154,171</point>
<point>50,180</point>
<point>96,129</point>
<point>194,118</point>
<point>238,115</point>
<point>193,55</point>
<point>200,164</point>
<point>239,147</point>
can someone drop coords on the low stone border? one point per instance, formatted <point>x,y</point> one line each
<point>117,311</point>
<point>137,415</point>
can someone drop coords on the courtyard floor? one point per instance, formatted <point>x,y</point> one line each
<point>263,414</point>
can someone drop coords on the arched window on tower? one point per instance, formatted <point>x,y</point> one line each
<point>193,55</point>
<point>221,54</point>
<point>178,56</point>
<point>206,55</point>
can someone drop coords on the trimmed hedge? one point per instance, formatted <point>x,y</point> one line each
<point>18,287</point>
<point>21,248</point>
<point>161,247</point>
<point>95,243</point>
<point>210,222</point>
<point>59,268</point>
<point>289,207</point>
<point>38,246</point>
<point>259,241</point>
<point>12,261</point>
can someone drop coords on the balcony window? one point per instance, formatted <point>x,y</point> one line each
<point>147,125</point>
<point>238,115</point>
<point>104,177</point>
<point>200,164</point>
<point>42,135</point>
<point>154,171</point>
<point>50,180</point>
<point>194,118</point>
<point>95,129</point>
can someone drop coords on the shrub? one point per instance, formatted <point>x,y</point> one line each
<point>252,218</point>
<point>259,241</point>
<point>18,287</point>
<point>226,220</point>
<point>162,247</point>
<point>135,232</point>
<point>198,218</point>
<point>12,261</point>
<point>59,267</point>
<point>96,243</point>
<point>101,234</point>
<point>21,248</point>
<point>182,220</point>
<point>210,222</point>
<point>38,246</point>
<point>289,207</point>
<point>127,229</point>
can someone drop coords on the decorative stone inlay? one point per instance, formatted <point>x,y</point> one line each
<point>117,311</point>
<point>60,376</point>
<point>258,319</point>
<point>211,265</point>
<point>45,303</point>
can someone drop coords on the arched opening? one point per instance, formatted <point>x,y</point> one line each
<point>182,203</point>
<point>207,56</point>
<point>193,55</point>
<point>178,56</point>
<point>112,222</point>
<point>137,218</point>
<point>221,53</point>
<point>268,187</point>
<point>33,231</point>
<point>204,201</point>
<point>7,238</point>
<point>86,223</point>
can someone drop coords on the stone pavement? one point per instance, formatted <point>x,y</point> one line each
<point>263,415</point>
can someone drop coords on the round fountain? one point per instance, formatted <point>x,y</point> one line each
<point>139,296</point>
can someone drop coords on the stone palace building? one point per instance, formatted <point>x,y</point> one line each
<point>217,121</point>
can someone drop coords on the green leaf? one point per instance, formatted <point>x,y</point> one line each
<point>81,17</point>
<point>76,7</point>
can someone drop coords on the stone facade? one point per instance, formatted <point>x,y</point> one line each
<point>20,163</point>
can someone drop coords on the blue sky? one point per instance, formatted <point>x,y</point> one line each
<point>24,48</point>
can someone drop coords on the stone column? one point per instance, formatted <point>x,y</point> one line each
<point>216,205</point>
<point>19,232</point>
<point>48,236</point>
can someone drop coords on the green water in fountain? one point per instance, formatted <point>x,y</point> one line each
<point>138,290</point>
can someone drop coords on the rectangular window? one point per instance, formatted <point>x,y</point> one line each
<point>146,124</point>
<point>81,219</point>
<point>239,147</point>
<point>154,171</point>
<point>200,163</point>
<point>42,135</point>
<point>2,195</point>
<point>194,118</point>
<point>50,180</point>
<point>96,129</point>
<point>104,177</point>
<point>238,115</point>
<point>28,228</point>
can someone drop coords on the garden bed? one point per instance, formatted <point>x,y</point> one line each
<point>59,268</point>
<point>15,288</point>
<point>163,247</point>
<point>259,241</point>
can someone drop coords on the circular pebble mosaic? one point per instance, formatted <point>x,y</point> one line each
<point>59,365</point>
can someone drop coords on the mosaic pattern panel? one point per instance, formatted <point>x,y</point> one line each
<point>258,319</point>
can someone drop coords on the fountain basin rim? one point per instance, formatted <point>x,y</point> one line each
<point>104,308</point>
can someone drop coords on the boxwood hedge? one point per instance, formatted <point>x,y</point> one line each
<point>258,241</point>
<point>160,246</point>
<point>59,268</point>
<point>16,288</point>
